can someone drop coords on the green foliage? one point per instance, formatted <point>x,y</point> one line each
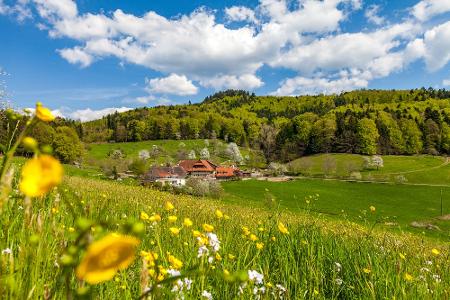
<point>367,134</point>
<point>66,144</point>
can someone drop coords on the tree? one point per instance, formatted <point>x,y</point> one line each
<point>391,138</point>
<point>136,130</point>
<point>367,133</point>
<point>67,145</point>
<point>267,141</point>
<point>323,135</point>
<point>329,165</point>
<point>204,153</point>
<point>234,153</point>
<point>445,140</point>
<point>432,135</point>
<point>144,154</point>
<point>192,155</point>
<point>411,135</point>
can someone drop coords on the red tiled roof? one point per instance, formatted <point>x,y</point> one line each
<point>194,165</point>
<point>225,172</point>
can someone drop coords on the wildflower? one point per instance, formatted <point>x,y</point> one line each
<point>282,228</point>
<point>213,241</point>
<point>43,113</point>
<point>174,230</point>
<point>273,239</point>
<point>71,229</point>
<point>435,251</point>
<point>402,256</point>
<point>107,256</point>
<point>172,219</point>
<point>253,237</point>
<point>316,292</point>
<point>187,222</point>
<point>408,277</point>
<point>218,257</point>
<point>168,206</point>
<point>255,277</point>
<point>207,295</point>
<point>202,251</point>
<point>196,233</point>
<point>155,218</point>
<point>245,230</point>
<point>173,273</point>
<point>259,246</point>
<point>367,270</point>
<point>6,251</point>
<point>208,228</point>
<point>231,256</point>
<point>437,278</point>
<point>40,175</point>
<point>175,262</point>
<point>218,214</point>
<point>372,209</point>
<point>338,281</point>
<point>337,267</point>
<point>30,143</point>
<point>144,216</point>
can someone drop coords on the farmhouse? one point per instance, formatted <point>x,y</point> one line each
<point>225,173</point>
<point>175,176</point>
<point>198,168</point>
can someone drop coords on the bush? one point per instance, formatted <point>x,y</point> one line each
<point>67,145</point>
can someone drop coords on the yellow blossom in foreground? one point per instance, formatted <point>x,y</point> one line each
<point>187,222</point>
<point>372,209</point>
<point>155,218</point>
<point>218,214</point>
<point>174,230</point>
<point>282,228</point>
<point>172,219</point>
<point>105,257</point>
<point>435,251</point>
<point>40,175</point>
<point>144,216</point>
<point>259,246</point>
<point>168,206</point>
<point>196,233</point>
<point>208,228</point>
<point>175,262</point>
<point>408,277</point>
<point>43,113</point>
<point>367,270</point>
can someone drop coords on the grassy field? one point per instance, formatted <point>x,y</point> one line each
<point>422,169</point>
<point>399,204</point>
<point>170,150</point>
<point>317,259</point>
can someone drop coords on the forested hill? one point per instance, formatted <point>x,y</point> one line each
<point>365,121</point>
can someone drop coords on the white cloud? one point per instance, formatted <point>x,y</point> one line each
<point>77,56</point>
<point>88,114</point>
<point>246,82</point>
<point>19,10</point>
<point>446,82</point>
<point>437,46</point>
<point>240,13</point>
<point>64,9</point>
<point>426,9</point>
<point>372,15</point>
<point>173,84</point>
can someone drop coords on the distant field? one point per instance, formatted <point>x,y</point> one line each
<point>422,169</point>
<point>170,150</point>
<point>401,204</point>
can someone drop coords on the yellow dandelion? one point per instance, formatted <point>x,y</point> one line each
<point>43,113</point>
<point>144,216</point>
<point>408,277</point>
<point>207,227</point>
<point>187,222</point>
<point>172,219</point>
<point>196,233</point>
<point>372,209</point>
<point>155,218</point>
<point>245,230</point>
<point>435,251</point>
<point>40,175</point>
<point>259,246</point>
<point>282,228</point>
<point>253,237</point>
<point>367,270</point>
<point>175,262</point>
<point>174,230</point>
<point>218,214</point>
<point>226,272</point>
<point>168,206</point>
<point>105,257</point>
<point>273,239</point>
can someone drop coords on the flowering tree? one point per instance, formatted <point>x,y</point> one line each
<point>192,155</point>
<point>144,154</point>
<point>204,153</point>
<point>234,153</point>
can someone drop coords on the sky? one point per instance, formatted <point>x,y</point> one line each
<point>85,59</point>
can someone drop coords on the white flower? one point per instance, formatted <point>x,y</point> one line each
<point>423,269</point>
<point>255,276</point>
<point>429,262</point>
<point>202,251</point>
<point>173,272</point>
<point>187,283</point>
<point>338,281</point>
<point>281,289</point>
<point>210,259</point>
<point>337,267</point>
<point>213,241</point>
<point>437,278</point>
<point>7,251</point>
<point>207,295</point>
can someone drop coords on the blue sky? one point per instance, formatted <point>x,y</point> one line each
<point>88,58</point>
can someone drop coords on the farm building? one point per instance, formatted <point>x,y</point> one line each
<point>198,168</point>
<point>175,176</point>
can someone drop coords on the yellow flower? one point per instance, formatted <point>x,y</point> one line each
<point>155,218</point>
<point>408,277</point>
<point>402,256</point>
<point>231,256</point>
<point>187,222</point>
<point>208,228</point>
<point>282,228</point>
<point>71,229</point>
<point>196,233</point>
<point>372,209</point>
<point>29,143</point>
<point>253,237</point>
<point>316,292</point>
<point>175,262</point>
<point>273,239</point>
<point>245,230</point>
<point>144,216</point>
<point>43,113</point>
<point>40,175</point>
<point>218,257</point>
<point>259,246</point>
<point>218,214</point>
<point>174,230</point>
<point>435,251</point>
<point>367,270</point>
<point>168,206</point>
<point>105,257</point>
<point>172,219</point>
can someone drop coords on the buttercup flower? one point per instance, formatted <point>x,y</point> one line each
<point>372,209</point>
<point>435,251</point>
<point>43,113</point>
<point>282,228</point>
<point>168,206</point>
<point>40,175</point>
<point>174,230</point>
<point>105,257</point>
<point>218,214</point>
<point>207,227</point>
<point>172,219</point>
<point>187,222</point>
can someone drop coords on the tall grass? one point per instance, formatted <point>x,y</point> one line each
<point>318,259</point>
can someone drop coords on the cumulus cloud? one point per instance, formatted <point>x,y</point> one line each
<point>173,84</point>
<point>76,56</point>
<point>246,81</point>
<point>446,82</point>
<point>426,9</point>
<point>437,46</point>
<point>88,114</point>
<point>372,15</point>
<point>240,13</point>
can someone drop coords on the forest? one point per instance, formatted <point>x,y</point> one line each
<point>365,121</point>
